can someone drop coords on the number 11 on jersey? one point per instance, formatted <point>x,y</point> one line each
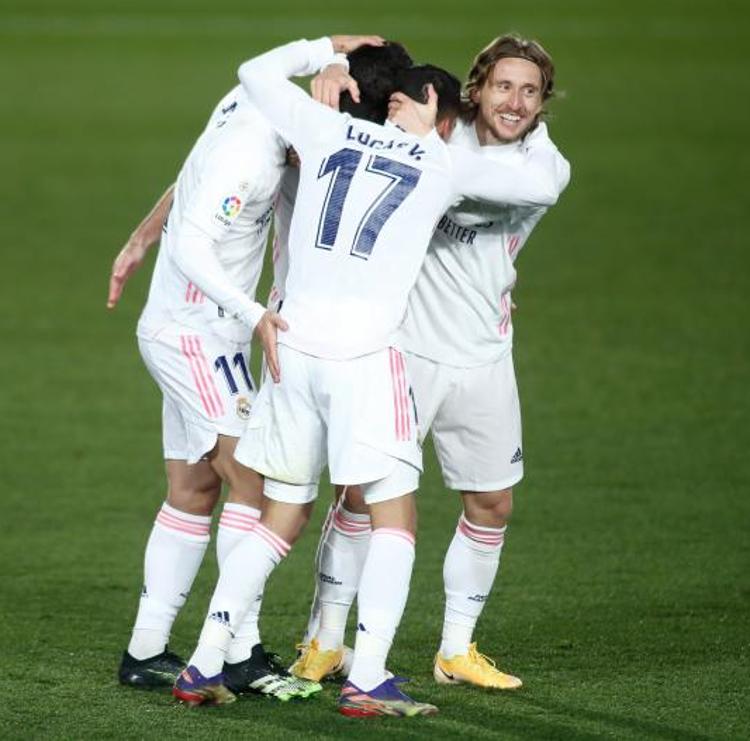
<point>342,166</point>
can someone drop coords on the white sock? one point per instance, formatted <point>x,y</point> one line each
<point>468,574</point>
<point>343,552</point>
<point>314,620</point>
<point>173,556</point>
<point>383,590</point>
<point>242,579</point>
<point>236,521</point>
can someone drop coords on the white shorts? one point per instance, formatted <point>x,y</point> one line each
<point>474,416</point>
<point>357,416</point>
<point>206,386</point>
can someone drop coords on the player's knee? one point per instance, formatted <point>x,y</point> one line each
<point>245,485</point>
<point>489,509</point>
<point>353,499</point>
<point>194,499</point>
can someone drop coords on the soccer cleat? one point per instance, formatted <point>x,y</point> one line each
<point>473,668</point>
<point>263,674</point>
<point>385,699</point>
<point>158,671</point>
<point>195,689</point>
<point>315,664</point>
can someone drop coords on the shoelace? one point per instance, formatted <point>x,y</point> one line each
<point>474,655</point>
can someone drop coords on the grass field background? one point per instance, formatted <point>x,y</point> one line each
<point>623,599</point>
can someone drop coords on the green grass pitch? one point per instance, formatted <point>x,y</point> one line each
<point>623,598</point>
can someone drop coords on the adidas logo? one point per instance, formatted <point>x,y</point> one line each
<point>220,617</point>
<point>517,456</point>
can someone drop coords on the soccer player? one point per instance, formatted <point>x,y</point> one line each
<point>373,195</point>
<point>458,337</point>
<point>248,666</point>
<point>193,336</point>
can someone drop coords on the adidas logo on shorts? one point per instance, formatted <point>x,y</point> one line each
<point>220,617</point>
<point>517,456</point>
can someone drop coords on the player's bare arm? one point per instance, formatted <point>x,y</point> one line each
<point>131,256</point>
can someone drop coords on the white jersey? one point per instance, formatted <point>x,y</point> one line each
<point>460,307</point>
<point>369,198</point>
<point>281,223</point>
<point>214,239</point>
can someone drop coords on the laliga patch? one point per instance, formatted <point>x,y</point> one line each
<point>244,405</point>
<point>231,206</point>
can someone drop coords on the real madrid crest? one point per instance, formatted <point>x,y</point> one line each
<point>243,407</point>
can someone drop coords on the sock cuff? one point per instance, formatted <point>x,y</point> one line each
<point>350,523</point>
<point>239,517</point>
<point>395,532</point>
<point>490,537</point>
<point>279,546</point>
<point>181,523</point>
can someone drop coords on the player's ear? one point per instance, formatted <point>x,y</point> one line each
<point>445,127</point>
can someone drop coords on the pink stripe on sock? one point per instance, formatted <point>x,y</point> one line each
<point>198,379</point>
<point>237,521</point>
<point>346,525</point>
<point>172,522</point>
<point>278,544</point>
<point>484,535</point>
<point>395,532</point>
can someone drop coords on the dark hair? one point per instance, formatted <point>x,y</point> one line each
<point>503,47</point>
<point>376,70</point>
<point>414,80</point>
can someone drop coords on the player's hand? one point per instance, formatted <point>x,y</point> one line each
<point>126,263</point>
<point>266,332</point>
<point>326,87</point>
<point>292,158</point>
<point>412,117</point>
<point>348,44</point>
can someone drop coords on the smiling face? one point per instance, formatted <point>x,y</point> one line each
<point>509,102</point>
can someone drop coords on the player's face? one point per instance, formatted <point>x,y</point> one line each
<point>509,101</point>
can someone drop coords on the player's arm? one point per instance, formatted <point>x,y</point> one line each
<point>197,260</point>
<point>141,240</point>
<point>536,177</point>
<point>326,87</point>
<point>290,110</point>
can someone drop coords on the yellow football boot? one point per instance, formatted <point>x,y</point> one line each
<point>315,664</point>
<point>473,668</point>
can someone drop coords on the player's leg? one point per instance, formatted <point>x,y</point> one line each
<point>240,515</point>
<point>174,552</point>
<point>384,587</point>
<point>241,581</point>
<point>200,404</point>
<point>477,438</point>
<point>284,427</point>
<point>343,548</point>
<point>372,438</point>
<point>340,558</point>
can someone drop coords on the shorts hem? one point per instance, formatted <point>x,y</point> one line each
<point>481,487</point>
